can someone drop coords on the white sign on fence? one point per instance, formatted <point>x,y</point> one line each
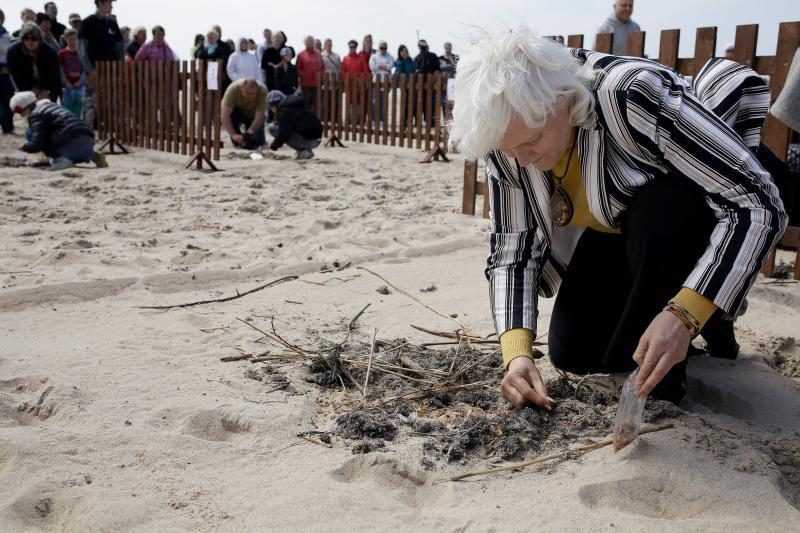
<point>211,76</point>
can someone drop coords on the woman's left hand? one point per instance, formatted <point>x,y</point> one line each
<point>663,345</point>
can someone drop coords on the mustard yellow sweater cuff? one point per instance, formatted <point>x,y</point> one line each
<point>517,342</point>
<point>697,305</point>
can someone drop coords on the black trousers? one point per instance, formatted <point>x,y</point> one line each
<point>6,92</point>
<point>616,284</point>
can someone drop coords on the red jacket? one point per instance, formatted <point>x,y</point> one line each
<point>309,65</point>
<point>354,64</point>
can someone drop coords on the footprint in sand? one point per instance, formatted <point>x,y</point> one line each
<point>409,485</point>
<point>26,399</point>
<point>654,497</point>
<point>215,424</point>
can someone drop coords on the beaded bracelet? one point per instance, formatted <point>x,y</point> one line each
<point>685,317</point>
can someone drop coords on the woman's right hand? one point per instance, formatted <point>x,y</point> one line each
<point>523,383</point>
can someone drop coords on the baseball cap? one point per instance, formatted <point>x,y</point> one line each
<point>21,101</point>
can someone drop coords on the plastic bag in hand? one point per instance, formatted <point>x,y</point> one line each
<point>629,413</point>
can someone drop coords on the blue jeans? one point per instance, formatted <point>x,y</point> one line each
<point>6,92</point>
<point>78,150</point>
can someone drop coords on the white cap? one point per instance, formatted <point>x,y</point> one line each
<point>21,101</point>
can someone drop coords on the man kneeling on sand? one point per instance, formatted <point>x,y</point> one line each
<point>56,131</point>
<point>243,113</point>
<point>293,124</point>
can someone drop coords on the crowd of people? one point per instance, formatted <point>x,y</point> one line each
<point>57,62</point>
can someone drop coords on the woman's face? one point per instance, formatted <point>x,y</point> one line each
<point>540,147</point>
<point>276,40</point>
<point>404,53</point>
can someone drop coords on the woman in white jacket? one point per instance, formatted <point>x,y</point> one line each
<point>244,64</point>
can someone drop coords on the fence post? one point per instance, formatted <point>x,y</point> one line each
<point>668,48</point>
<point>575,41</point>
<point>636,44</point>
<point>470,187</point>
<point>604,42</point>
<point>704,47</point>
<point>776,133</point>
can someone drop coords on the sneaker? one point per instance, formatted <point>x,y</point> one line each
<point>99,159</point>
<point>61,163</point>
<point>305,154</point>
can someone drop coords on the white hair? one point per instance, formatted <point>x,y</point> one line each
<point>514,72</point>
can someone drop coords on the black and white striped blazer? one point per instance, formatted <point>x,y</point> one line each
<point>649,121</point>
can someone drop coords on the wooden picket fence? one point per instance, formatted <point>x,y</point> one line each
<point>776,135</point>
<point>160,105</point>
<point>404,111</point>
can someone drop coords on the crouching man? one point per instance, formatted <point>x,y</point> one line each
<point>293,124</point>
<point>243,113</point>
<point>56,132</point>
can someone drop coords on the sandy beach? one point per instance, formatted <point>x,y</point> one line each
<point>117,418</point>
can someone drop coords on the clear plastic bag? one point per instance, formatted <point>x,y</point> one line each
<point>629,413</point>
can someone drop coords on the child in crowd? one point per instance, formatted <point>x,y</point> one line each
<point>73,77</point>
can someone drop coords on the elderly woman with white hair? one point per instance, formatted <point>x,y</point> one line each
<point>634,197</point>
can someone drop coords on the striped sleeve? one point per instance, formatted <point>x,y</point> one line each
<point>515,257</point>
<point>672,126</point>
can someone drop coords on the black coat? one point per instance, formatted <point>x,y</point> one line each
<point>272,56</point>
<point>286,79</point>
<point>20,66</point>
<point>52,127</point>
<point>427,63</point>
<point>293,117</point>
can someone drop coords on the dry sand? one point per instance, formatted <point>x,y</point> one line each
<point>116,418</point>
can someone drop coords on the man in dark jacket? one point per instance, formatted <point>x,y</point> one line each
<point>293,124</point>
<point>427,63</point>
<point>56,132</point>
<point>33,65</point>
<point>99,39</point>
<point>286,80</point>
<point>58,29</point>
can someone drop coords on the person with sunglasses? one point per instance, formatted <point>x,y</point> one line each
<point>33,65</point>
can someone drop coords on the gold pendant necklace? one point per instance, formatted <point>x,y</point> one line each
<point>561,208</point>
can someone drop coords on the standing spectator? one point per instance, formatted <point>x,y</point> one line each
<point>139,38</point>
<point>126,37</point>
<point>404,64</point>
<point>252,47</point>
<point>243,113</point>
<point>380,64</point>
<point>73,78</point>
<point>211,49</point>
<point>318,46</point>
<point>267,34</point>
<point>27,15</point>
<point>448,61</point>
<point>199,41</point>
<point>293,125</point>
<point>157,49</point>
<point>45,23</point>
<point>426,61</point>
<point>225,49</point>
<point>244,64</point>
<point>286,74</point>
<point>272,58</point>
<point>6,84</point>
<point>620,24</point>
<point>56,132</point>
<point>33,65</point>
<point>353,67</point>
<point>729,51</point>
<point>331,60</point>
<point>366,49</point>
<point>75,22</point>
<point>98,40</point>
<point>58,29</point>
<point>309,70</point>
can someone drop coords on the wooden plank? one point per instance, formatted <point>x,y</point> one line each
<point>636,43</point>
<point>166,104</point>
<point>393,116</point>
<point>575,41</point>
<point>705,45</point>
<point>175,102</point>
<point>412,109</point>
<point>776,133</point>
<point>183,109</point>
<point>192,115</point>
<point>218,112</point>
<point>685,66</point>
<point>402,85</point>
<point>744,48</point>
<point>764,64</point>
<point>604,42</point>
<point>153,105</point>
<point>668,48</point>
<point>124,110</point>
<point>385,108</point>
<point>98,95</point>
<point>470,187</point>
<point>318,104</point>
<point>361,83</point>
<point>437,99</point>
<point>162,104</point>
<point>420,99</point>
<point>369,104</point>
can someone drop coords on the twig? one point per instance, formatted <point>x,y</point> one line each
<point>583,450</point>
<point>474,364</point>
<point>323,283</point>
<point>369,363</point>
<point>450,343</point>
<point>352,324</point>
<point>419,395</point>
<point>235,358</point>
<point>226,299</point>
<point>452,335</point>
<point>401,291</point>
<point>315,441</point>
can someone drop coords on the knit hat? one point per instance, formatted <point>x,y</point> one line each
<point>275,97</point>
<point>22,101</point>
